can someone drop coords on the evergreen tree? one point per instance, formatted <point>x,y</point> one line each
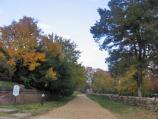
<point>129,32</point>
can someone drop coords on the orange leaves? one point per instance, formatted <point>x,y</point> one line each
<point>1,55</point>
<point>33,56</point>
<point>32,66</point>
<point>11,51</point>
<point>51,73</point>
<point>32,59</point>
<point>54,48</point>
<point>40,56</point>
<point>11,62</point>
<point>22,35</point>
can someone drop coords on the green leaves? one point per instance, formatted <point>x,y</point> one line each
<point>103,82</point>
<point>48,63</point>
<point>129,32</point>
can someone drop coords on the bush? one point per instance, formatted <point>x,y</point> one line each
<point>6,85</point>
<point>5,72</point>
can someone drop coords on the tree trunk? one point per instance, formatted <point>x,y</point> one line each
<point>139,90</point>
<point>139,83</point>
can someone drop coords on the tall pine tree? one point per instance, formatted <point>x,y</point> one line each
<point>128,29</point>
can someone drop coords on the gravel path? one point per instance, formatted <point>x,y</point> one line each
<point>79,108</point>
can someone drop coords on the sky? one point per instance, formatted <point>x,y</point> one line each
<point>68,18</point>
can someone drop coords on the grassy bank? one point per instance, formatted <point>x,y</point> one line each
<point>37,108</point>
<point>34,108</point>
<point>123,111</point>
<point>6,84</point>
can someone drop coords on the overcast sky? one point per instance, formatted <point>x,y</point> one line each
<point>68,18</point>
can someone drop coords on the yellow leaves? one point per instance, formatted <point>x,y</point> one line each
<point>40,56</point>
<point>31,59</point>
<point>32,66</point>
<point>1,55</point>
<point>25,34</point>
<point>51,73</point>
<point>146,84</point>
<point>11,51</point>
<point>102,81</point>
<point>33,56</point>
<point>126,82</point>
<point>54,48</point>
<point>11,62</point>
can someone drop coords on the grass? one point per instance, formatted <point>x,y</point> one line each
<point>6,84</point>
<point>124,111</point>
<point>37,108</point>
<point>77,93</point>
<point>34,108</point>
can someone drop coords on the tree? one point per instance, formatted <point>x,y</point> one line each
<point>71,55</point>
<point>19,42</point>
<point>102,82</point>
<point>48,63</point>
<point>69,48</point>
<point>20,45</point>
<point>5,72</point>
<point>23,35</point>
<point>127,85</point>
<point>129,32</point>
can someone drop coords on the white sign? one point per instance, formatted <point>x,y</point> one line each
<point>16,90</point>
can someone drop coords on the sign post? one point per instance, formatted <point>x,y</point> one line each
<point>16,90</point>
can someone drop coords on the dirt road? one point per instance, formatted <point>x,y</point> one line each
<point>79,108</point>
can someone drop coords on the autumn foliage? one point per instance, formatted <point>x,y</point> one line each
<point>36,60</point>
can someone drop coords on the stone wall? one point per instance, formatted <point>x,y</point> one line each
<point>145,102</point>
<point>26,96</point>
